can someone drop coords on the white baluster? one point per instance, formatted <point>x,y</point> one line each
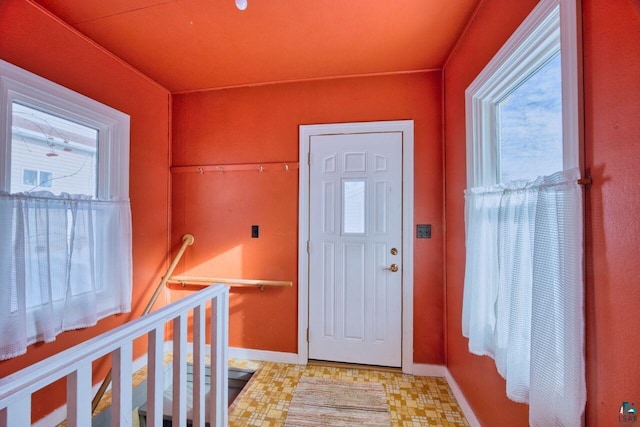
<point>179,410</point>
<point>219,371</point>
<point>122,391</point>
<point>79,396</point>
<point>155,377</point>
<point>199,391</point>
<point>18,414</point>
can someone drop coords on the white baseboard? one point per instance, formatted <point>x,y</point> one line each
<point>263,355</point>
<point>54,418</point>
<point>462,401</point>
<point>427,370</point>
<point>168,347</point>
<point>245,354</point>
<point>137,364</point>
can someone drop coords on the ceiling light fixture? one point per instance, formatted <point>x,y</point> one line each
<point>241,4</point>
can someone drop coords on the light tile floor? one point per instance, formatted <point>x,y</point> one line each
<point>413,401</point>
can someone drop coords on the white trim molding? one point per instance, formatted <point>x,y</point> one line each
<point>306,132</point>
<point>462,401</point>
<point>429,370</point>
<point>243,353</point>
<point>550,28</point>
<point>263,355</point>
<point>23,87</point>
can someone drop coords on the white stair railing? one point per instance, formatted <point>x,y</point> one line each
<point>75,364</point>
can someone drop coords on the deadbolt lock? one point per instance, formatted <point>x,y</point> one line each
<point>394,251</point>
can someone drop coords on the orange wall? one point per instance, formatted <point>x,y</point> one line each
<point>31,39</point>
<point>252,125</point>
<point>612,133</point>
<point>612,151</point>
<point>477,377</point>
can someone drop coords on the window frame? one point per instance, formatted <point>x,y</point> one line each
<point>24,87</point>
<point>552,26</point>
<point>109,225</point>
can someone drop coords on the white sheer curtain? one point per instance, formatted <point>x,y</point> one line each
<point>65,263</point>
<point>523,291</point>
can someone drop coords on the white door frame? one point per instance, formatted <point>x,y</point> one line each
<point>306,132</point>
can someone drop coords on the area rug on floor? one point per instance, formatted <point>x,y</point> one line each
<point>326,402</point>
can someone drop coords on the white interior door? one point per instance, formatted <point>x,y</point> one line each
<point>355,243</point>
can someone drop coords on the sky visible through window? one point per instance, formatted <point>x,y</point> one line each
<point>530,126</point>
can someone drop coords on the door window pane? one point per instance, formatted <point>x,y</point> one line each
<point>530,126</point>
<point>353,206</point>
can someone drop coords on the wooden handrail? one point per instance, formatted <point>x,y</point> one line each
<point>207,281</point>
<point>187,240</point>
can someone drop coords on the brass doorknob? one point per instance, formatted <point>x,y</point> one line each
<point>393,268</point>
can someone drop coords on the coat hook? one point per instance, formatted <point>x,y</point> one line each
<point>220,169</point>
<point>286,167</point>
<point>201,171</point>
<point>261,168</point>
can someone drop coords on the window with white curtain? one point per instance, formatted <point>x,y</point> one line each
<point>523,291</point>
<point>65,219</point>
